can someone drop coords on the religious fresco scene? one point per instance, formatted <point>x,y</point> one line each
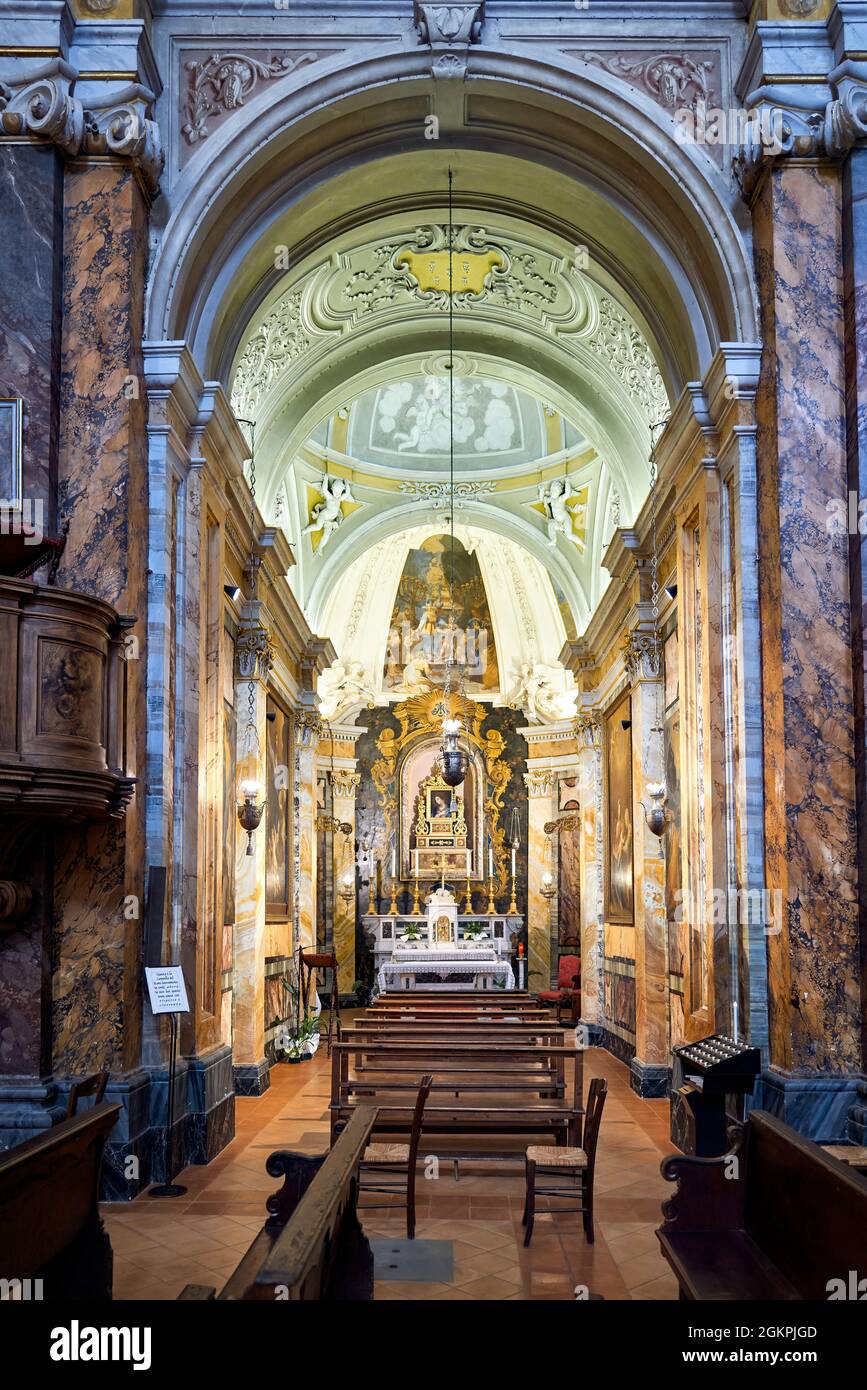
<point>433,761</point>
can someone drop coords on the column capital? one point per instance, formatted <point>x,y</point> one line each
<point>308,727</point>
<point>588,728</point>
<point>641,655</point>
<point>345,784</point>
<point>540,781</point>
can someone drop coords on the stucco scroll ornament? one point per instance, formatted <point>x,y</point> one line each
<point>121,125</point>
<point>547,694</point>
<point>40,104</point>
<point>672,79</point>
<point>777,132</point>
<point>341,686</point>
<point>254,654</point>
<point>327,515</point>
<point>555,496</point>
<point>221,82</point>
<point>846,120</point>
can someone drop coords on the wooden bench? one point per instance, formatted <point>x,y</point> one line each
<point>787,1223</point>
<point>536,1067</point>
<point>312,1246</point>
<point>50,1227</point>
<point>501,1105</point>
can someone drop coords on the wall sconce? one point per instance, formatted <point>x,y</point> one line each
<point>656,814</point>
<point>548,889</point>
<point>250,810</point>
<point>347,887</point>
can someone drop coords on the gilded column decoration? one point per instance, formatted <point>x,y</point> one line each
<point>541,784</point>
<point>344,785</point>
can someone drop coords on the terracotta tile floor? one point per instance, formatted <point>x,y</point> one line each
<point>161,1245</point>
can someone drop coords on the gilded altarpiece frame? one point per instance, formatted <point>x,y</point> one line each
<point>420,719</point>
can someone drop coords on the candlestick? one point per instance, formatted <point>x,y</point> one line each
<point>513,906</point>
<point>416,905</point>
<point>492,906</point>
<point>468,900</point>
<point>490,862</point>
<point>392,906</point>
<point>513,861</point>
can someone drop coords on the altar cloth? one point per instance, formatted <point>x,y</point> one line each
<point>424,963</point>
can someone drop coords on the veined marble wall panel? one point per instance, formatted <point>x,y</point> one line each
<point>31,234</point>
<point>810,838</point>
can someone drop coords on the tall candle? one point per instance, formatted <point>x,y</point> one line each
<point>513,862</point>
<point>415,865</point>
<point>468,863</point>
<point>394,863</point>
<point>490,862</point>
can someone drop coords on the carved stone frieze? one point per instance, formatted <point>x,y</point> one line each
<point>673,79</point>
<point>220,83</point>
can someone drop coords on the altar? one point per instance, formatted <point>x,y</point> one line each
<point>444,949</point>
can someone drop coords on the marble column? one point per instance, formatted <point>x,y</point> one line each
<point>810,821</point>
<point>541,786</point>
<point>250,1065</point>
<point>344,785</point>
<point>307,731</point>
<point>589,738</point>
<point>649,1067</point>
<point>855,271</point>
<point>102,469</point>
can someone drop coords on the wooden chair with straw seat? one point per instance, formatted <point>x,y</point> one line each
<point>396,1161</point>
<point>578,1164</point>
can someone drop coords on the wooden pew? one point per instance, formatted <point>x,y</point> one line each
<point>537,1065</point>
<point>50,1228</point>
<point>312,1246</point>
<point>502,1106</point>
<point>789,1222</point>
<point>447,1015</point>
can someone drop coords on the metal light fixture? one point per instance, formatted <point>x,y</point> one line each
<point>455,761</point>
<point>347,887</point>
<point>548,889</point>
<point>250,810</point>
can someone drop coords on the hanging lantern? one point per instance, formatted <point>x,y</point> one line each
<point>455,760</point>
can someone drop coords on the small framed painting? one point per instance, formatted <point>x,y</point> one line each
<point>11,451</point>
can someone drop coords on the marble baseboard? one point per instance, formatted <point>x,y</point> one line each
<point>651,1082</point>
<point>618,1047</point>
<point>818,1107</point>
<point>252,1078</point>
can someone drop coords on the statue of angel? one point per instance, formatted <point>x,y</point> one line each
<point>341,686</point>
<point>555,496</point>
<point>546,693</point>
<point>327,515</point>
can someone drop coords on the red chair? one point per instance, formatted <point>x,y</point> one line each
<point>568,989</point>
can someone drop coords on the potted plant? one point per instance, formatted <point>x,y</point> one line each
<point>412,932</point>
<point>475,931</point>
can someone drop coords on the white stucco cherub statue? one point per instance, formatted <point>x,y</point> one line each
<point>327,515</point>
<point>555,497</point>
<point>546,693</point>
<point>342,685</point>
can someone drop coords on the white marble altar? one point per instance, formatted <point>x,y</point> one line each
<point>450,950</point>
